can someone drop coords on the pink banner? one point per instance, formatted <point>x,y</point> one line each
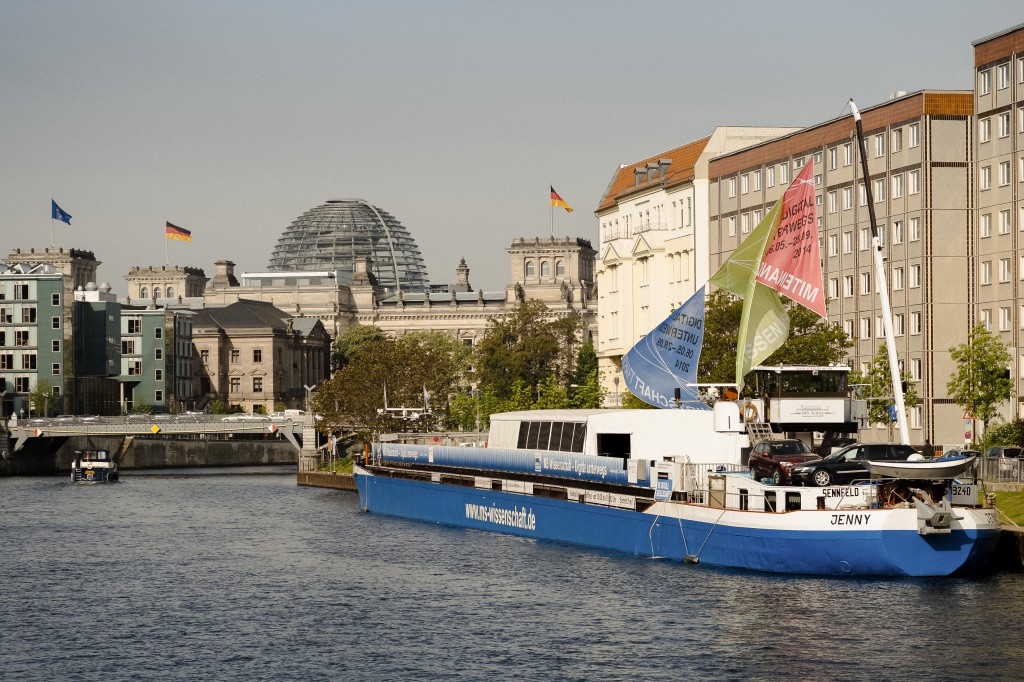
<point>792,263</point>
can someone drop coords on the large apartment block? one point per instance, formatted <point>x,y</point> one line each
<point>994,244</point>
<point>919,165</point>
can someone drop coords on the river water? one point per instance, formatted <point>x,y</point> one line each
<point>242,575</point>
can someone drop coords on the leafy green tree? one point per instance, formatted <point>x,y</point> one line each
<point>351,341</point>
<point>42,398</point>
<point>140,406</point>
<point>585,392</point>
<point>813,340</point>
<point>876,388</point>
<point>520,346</point>
<point>631,402</point>
<point>1005,433</point>
<point>217,407</point>
<point>981,381</point>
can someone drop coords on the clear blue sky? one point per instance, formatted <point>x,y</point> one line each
<point>232,118</point>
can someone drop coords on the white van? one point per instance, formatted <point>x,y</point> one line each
<point>294,415</point>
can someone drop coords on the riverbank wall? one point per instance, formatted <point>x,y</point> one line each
<point>49,456</point>
<point>326,479</point>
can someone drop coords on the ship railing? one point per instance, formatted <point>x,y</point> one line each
<point>697,474</point>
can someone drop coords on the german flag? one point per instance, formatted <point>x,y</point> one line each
<point>558,201</point>
<point>179,233</point>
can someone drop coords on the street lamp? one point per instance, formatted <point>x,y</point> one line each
<point>615,380</point>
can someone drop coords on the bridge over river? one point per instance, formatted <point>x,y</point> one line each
<point>149,425</point>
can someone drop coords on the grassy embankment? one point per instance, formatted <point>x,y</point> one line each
<point>341,466</point>
<point>1010,504</point>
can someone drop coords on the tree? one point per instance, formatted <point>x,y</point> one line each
<point>524,346</point>
<point>876,388</point>
<point>42,398</point>
<point>349,343</point>
<point>813,340</point>
<point>585,391</point>
<point>981,381</point>
<point>1005,433</point>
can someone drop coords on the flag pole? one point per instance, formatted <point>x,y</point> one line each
<point>167,251</point>
<point>52,202</point>
<point>551,211</point>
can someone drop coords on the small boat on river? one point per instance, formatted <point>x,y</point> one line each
<point>940,468</point>
<point>93,466</point>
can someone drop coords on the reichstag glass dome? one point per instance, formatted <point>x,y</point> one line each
<point>334,235</point>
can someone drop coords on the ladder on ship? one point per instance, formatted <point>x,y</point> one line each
<point>759,431</point>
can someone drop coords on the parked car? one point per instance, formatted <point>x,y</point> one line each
<point>849,464</point>
<point>960,452</point>
<point>1008,456</point>
<point>775,458</point>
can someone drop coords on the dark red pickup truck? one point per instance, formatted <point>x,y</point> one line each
<point>775,458</point>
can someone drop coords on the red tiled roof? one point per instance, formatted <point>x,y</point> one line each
<point>681,170</point>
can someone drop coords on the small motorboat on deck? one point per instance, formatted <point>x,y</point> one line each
<point>940,468</point>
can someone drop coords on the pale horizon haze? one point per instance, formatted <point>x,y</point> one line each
<point>232,118</point>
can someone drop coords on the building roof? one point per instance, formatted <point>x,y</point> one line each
<point>654,172</point>
<point>242,314</point>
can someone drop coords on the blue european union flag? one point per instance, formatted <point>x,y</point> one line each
<point>59,213</point>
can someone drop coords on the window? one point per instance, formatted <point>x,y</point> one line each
<point>984,129</point>
<point>6,316</point>
<point>236,384</point>
<point>55,300</point>
<point>848,286</point>
<point>20,292</point>
<point>144,292</point>
<point>1004,221</point>
<point>158,375</point>
<point>257,384</point>
<point>1020,69</point>
<point>833,158</point>
<point>127,346</point>
<point>769,176</point>
<point>784,173</point>
<point>879,145</point>
<point>897,186</point>
<point>28,361</point>
<point>135,368</point>
<point>545,269</point>
<point>158,396</point>
<point>817,181</point>
<point>745,222</point>
<point>865,239</point>
<point>986,319</point>
<point>1004,319</point>
<point>757,217</point>
<point>915,325</point>
<point>879,190</point>
<point>985,228</point>
<point>21,338</point>
<point>55,322</point>
<point>863,195</point>
<point>914,133</point>
<point>1004,173</point>
<point>833,201</point>
<point>158,333</point>
<point>134,326</point>
<point>55,346</point>
<point>6,360</point>
<point>833,288</point>
<point>897,279</point>
<point>865,327</point>
<point>915,229</point>
<point>21,385</point>
<point>560,265</point>
<point>55,371</point>
<point>915,276</point>
<point>865,282</point>
<point>848,328</point>
<point>848,154</point>
<point>530,272</point>
<point>744,183</point>
<point>204,355</point>
<point>158,353</point>
<point>1004,124</point>
<point>879,329</point>
<point>28,315</point>
<point>1003,76</point>
<point>1004,269</point>
<point>833,245</point>
<point>984,82</point>
<point>757,180</point>
<point>896,144</point>
<point>985,180</point>
<point>236,355</point>
<point>847,198</point>
<point>898,324</point>
<point>257,355</point>
<point>897,232</point>
<point>732,226</point>
<point>847,242</point>
<point>986,272</point>
<point>157,292</point>
<point>913,182</point>
<point>170,292</point>
<point>732,187</point>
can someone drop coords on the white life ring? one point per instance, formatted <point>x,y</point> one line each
<point>749,412</point>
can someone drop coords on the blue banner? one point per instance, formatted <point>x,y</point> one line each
<point>666,359</point>
<point>59,214</point>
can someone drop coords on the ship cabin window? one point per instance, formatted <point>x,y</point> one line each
<point>613,445</point>
<point>769,500</point>
<point>812,382</point>
<point>557,436</point>
<point>744,499</point>
<point>792,501</point>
